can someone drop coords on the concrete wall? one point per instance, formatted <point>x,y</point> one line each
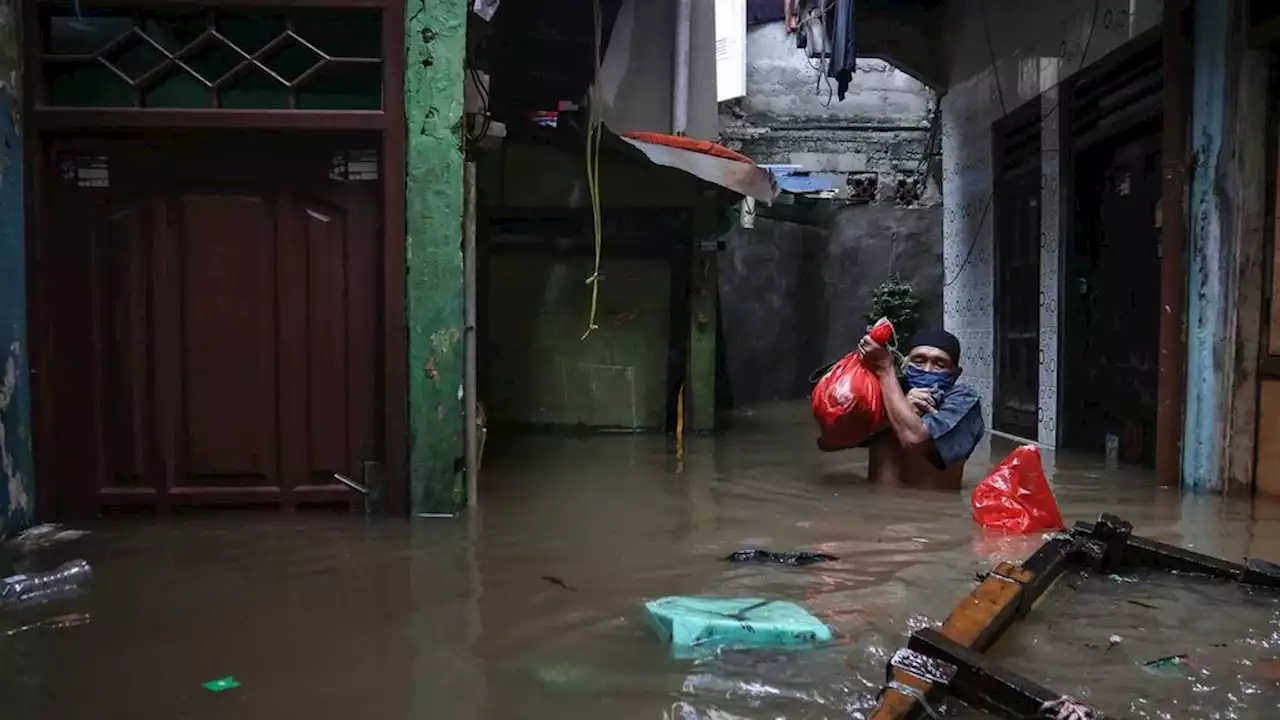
<point>1226,251</point>
<point>435,48</point>
<point>17,479</point>
<point>1035,46</point>
<point>794,296</point>
<point>539,370</point>
<point>638,69</point>
<point>783,85</point>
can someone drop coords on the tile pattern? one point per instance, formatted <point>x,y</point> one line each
<point>1034,48</point>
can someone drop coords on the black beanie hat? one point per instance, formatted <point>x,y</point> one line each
<point>941,339</point>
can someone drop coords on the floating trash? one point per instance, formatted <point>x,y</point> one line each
<point>61,621</point>
<point>694,626</point>
<point>793,557</point>
<point>221,684</point>
<point>45,535</point>
<point>1170,666</point>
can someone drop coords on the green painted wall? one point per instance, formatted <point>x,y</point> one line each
<point>435,47</point>
<point>539,369</point>
<point>17,476</point>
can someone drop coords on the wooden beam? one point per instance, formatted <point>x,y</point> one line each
<point>1171,384</point>
<point>977,622</point>
<point>984,685</point>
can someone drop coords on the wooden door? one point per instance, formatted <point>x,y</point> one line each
<point>212,320</point>
<point>1116,278</point>
<point>1017,294</point>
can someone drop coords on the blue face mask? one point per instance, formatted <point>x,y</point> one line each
<point>927,380</point>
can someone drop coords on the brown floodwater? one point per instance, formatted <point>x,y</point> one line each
<point>323,616</point>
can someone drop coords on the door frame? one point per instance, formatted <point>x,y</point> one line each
<point>1010,163</point>
<point>1074,91</point>
<point>42,121</point>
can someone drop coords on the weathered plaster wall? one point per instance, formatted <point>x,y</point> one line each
<point>794,296</point>
<point>539,368</point>
<point>1006,53</point>
<point>17,478</point>
<point>435,35</point>
<point>1226,250</point>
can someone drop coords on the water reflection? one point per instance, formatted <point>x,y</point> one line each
<point>341,617</point>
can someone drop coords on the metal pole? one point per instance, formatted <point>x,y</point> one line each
<point>469,398</point>
<point>1171,389</point>
<point>680,88</point>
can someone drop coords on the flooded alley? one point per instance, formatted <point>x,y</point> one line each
<point>533,608</point>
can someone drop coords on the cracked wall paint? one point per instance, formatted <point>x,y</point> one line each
<point>17,491</point>
<point>435,35</point>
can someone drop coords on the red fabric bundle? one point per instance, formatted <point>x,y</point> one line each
<point>846,401</point>
<point>1016,497</point>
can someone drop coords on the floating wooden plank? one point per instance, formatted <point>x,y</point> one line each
<point>976,623</point>
<point>950,662</point>
<point>1140,552</point>
<point>984,685</point>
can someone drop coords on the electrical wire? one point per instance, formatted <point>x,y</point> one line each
<point>485,119</point>
<point>593,164</point>
<point>977,233</point>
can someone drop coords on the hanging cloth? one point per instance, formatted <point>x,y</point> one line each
<point>843,57</point>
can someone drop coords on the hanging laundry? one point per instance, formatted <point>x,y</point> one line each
<point>843,56</point>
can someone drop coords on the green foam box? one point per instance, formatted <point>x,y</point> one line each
<point>696,626</point>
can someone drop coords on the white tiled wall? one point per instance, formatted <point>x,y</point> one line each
<point>1036,44</point>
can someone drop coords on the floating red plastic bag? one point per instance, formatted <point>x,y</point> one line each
<point>846,401</point>
<point>1015,497</point>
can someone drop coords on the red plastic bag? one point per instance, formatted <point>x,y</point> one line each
<point>1015,497</point>
<point>846,401</point>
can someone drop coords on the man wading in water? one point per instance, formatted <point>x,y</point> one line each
<point>932,424</point>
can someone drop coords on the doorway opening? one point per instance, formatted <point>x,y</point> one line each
<point>1016,148</point>
<point>1111,273</point>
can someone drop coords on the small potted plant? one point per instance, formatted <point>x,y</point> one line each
<point>896,300</point>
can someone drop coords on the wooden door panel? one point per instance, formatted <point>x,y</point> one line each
<point>325,239</point>
<point>228,340</point>
<point>122,301</point>
<point>214,341</point>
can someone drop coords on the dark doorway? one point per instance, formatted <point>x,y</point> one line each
<point>1017,157</point>
<point>1114,279</point>
<point>1111,256</point>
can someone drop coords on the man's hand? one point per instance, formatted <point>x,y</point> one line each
<point>874,356</point>
<point>921,400</point>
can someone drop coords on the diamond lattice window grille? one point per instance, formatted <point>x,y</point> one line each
<point>311,59</point>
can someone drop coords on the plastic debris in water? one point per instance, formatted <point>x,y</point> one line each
<point>38,588</point>
<point>61,621</point>
<point>44,535</point>
<point>558,583</point>
<point>565,676</point>
<point>796,557</point>
<point>1113,641</point>
<point>221,684</point>
<point>1121,579</point>
<point>1168,666</point>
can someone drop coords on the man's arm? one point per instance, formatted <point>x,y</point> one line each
<point>904,418</point>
